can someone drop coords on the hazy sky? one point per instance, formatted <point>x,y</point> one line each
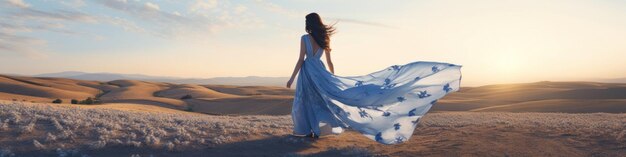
<point>497,41</point>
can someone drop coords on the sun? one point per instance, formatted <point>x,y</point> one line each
<point>510,65</point>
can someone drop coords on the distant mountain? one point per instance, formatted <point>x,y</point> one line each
<point>241,81</point>
<point>105,77</point>
<point>62,74</point>
<point>614,80</point>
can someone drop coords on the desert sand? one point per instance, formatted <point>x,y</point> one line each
<point>74,130</point>
<point>209,99</point>
<point>154,119</point>
<point>566,97</point>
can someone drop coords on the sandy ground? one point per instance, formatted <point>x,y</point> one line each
<point>55,130</point>
<point>151,119</point>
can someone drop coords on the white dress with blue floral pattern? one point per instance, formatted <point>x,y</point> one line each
<point>385,106</point>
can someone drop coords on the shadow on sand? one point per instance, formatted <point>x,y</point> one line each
<point>275,146</point>
<point>285,145</point>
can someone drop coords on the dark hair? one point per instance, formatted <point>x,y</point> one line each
<point>321,33</point>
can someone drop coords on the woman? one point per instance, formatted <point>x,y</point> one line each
<point>385,105</point>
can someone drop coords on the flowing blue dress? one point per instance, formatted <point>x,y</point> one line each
<point>385,106</point>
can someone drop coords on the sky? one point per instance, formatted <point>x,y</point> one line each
<point>496,41</point>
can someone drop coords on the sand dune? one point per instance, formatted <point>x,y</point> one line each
<point>573,97</point>
<point>44,90</point>
<point>245,105</point>
<point>251,90</point>
<point>211,99</point>
<point>196,91</point>
<point>64,84</point>
<point>570,97</point>
<point>140,92</point>
<point>563,105</point>
<point>150,118</point>
<point>23,98</point>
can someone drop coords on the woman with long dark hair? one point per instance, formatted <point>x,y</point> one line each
<point>385,105</point>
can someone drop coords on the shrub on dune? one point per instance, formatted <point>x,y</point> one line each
<point>87,101</point>
<point>90,101</point>
<point>74,101</point>
<point>57,101</point>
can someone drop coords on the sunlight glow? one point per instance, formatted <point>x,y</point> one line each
<point>495,41</point>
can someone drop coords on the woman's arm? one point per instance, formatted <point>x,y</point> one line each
<point>329,62</point>
<point>298,64</point>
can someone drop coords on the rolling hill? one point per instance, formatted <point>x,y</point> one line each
<point>105,77</point>
<point>210,99</point>
<point>569,97</point>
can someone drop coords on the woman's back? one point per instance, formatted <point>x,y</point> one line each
<point>312,48</point>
